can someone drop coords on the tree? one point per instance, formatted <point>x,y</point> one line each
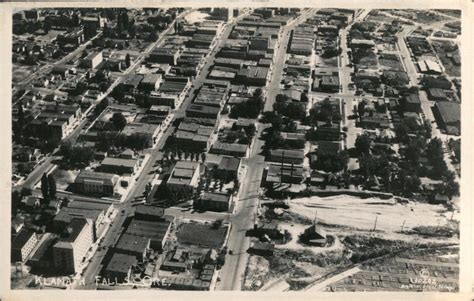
<point>51,186</point>
<point>217,224</point>
<point>401,132</point>
<point>331,162</point>
<point>127,60</point>
<point>80,155</point>
<point>46,27</point>
<point>250,131</point>
<point>434,150</point>
<point>45,186</point>
<point>258,94</point>
<point>21,114</point>
<point>451,187</point>
<point>25,191</point>
<point>100,107</point>
<point>119,121</point>
<point>363,143</point>
<point>413,152</point>
<point>123,21</point>
<point>428,128</point>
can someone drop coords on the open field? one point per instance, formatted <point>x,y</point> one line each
<point>361,213</point>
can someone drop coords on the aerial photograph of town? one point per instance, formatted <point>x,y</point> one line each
<point>254,149</point>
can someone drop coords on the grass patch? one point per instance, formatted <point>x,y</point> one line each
<point>204,235</point>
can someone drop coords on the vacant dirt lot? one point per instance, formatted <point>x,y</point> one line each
<point>362,214</point>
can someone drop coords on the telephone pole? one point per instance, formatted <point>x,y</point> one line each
<point>375,224</point>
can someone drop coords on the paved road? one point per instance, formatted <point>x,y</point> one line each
<point>147,173</point>
<point>273,86</point>
<point>37,173</point>
<point>49,66</point>
<point>232,272</point>
<point>426,104</point>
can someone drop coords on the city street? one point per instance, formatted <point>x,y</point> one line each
<point>324,212</point>
<point>232,272</point>
<point>273,86</point>
<point>148,173</point>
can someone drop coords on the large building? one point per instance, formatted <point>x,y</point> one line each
<point>411,103</point>
<point>215,201</point>
<point>203,111</point>
<point>448,114</point>
<point>96,212</point>
<point>149,212</point>
<point>429,67</point>
<point>228,169</point>
<point>252,75</point>
<point>22,245</point>
<point>192,136</point>
<point>165,55</point>
<point>133,245</point>
<point>184,178</point>
<point>164,99</point>
<point>157,231</point>
<point>93,60</point>
<point>99,183</point>
<point>212,96</point>
<point>290,156</point>
<point>120,267</point>
<point>68,253</point>
<point>150,131</point>
<point>151,82</point>
<point>230,149</point>
<point>284,173</point>
<point>119,166</point>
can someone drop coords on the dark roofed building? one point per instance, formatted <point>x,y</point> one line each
<point>157,231</point>
<point>119,166</point>
<point>315,235</point>
<point>448,113</point>
<point>202,111</point>
<point>287,156</point>
<point>436,82</point>
<point>330,83</point>
<point>215,201</point>
<point>165,55</point>
<point>286,173</point>
<point>252,75</point>
<point>436,94</point>
<point>149,212</point>
<point>262,248</point>
<point>230,149</point>
<point>228,169</point>
<point>411,103</point>
<point>133,245</point>
<point>120,267</point>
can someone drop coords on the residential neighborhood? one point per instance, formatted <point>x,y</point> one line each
<point>236,149</point>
